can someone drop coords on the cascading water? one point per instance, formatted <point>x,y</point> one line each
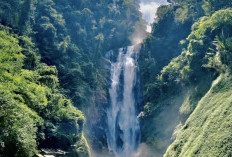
<point>123,125</point>
<point>123,131</point>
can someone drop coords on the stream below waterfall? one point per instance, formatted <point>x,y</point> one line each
<point>123,129</point>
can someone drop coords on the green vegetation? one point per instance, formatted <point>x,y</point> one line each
<point>207,132</point>
<point>176,87</point>
<point>165,42</point>
<point>52,70</point>
<point>209,42</point>
<point>32,108</point>
<point>74,36</point>
<point>51,61</point>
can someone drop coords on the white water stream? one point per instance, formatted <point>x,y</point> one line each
<point>122,121</point>
<point>123,135</point>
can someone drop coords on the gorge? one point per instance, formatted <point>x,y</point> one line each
<point>115,78</point>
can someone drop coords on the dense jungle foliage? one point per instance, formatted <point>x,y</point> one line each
<point>34,114</point>
<point>53,78</point>
<point>198,36</point>
<point>51,60</point>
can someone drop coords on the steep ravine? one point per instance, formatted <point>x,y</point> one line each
<point>115,78</point>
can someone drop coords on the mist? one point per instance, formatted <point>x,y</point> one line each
<point>148,8</point>
<point>144,151</point>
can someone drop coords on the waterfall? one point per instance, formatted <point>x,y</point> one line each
<point>123,126</point>
<point>123,130</point>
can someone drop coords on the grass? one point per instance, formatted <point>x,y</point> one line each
<point>207,132</point>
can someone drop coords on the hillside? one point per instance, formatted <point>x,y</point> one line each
<point>83,78</point>
<point>207,130</point>
<point>34,113</point>
<point>172,93</point>
<point>59,46</point>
